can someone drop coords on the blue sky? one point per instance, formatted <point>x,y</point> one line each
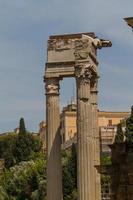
<point>24,29</point>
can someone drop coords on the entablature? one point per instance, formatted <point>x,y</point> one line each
<point>65,51</point>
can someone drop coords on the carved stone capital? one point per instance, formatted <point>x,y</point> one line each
<point>94,83</point>
<point>52,86</point>
<point>83,71</point>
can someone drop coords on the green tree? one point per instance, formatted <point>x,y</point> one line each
<point>15,148</point>
<point>3,194</point>
<point>7,144</point>
<point>129,128</point>
<point>73,166</point>
<point>26,144</point>
<point>105,159</point>
<point>26,181</point>
<point>119,138</point>
<point>105,179</point>
<point>22,129</point>
<point>70,175</point>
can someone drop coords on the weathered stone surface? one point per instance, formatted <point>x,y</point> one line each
<point>54,172</point>
<point>84,134</point>
<point>122,178</point>
<point>65,49</point>
<point>95,138</point>
<point>74,55</point>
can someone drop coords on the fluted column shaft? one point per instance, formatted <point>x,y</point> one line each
<point>84,132</point>
<point>54,175</point>
<point>96,139</point>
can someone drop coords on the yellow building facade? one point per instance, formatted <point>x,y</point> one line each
<point>105,119</point>
<point>107,122</point>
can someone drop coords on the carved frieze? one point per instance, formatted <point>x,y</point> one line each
<point>85,49</point>
<point>65,49</point>
<point>81,49</point>
<point>51,44</point>
<point>66,44</point>
<point>81,44</point>
<point>59,45</point>
<point>72,49</point>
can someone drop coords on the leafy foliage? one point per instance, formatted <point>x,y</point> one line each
<point>24,177</point>
<point>106,159</point>
<point>129,128</point>
<point>25,145</point>
<point>105,179</point>
<point>26,180</point>
<point>70,175</point>
<point>3,194</point>
<point>22,129</point>
<point>119,138</point>
<point>15,148</point>
<point>7,144</point>
<point>25,166</point>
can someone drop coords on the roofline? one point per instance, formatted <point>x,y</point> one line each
<point>102,111</point>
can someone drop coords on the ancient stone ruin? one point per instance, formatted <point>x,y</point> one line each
<point>74,55</point>
<point>122,171</point>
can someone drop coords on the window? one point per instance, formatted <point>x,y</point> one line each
<point>110,122</point>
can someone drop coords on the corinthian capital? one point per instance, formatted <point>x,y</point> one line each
<point>94,83</point>
<point>83,70</point>
<point>52,86</point>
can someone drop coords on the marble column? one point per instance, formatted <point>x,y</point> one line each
<point>54,174</point>
<point>83,75</point>
<point>96,139</point>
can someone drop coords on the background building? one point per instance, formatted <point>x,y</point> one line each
<point>107,122</point>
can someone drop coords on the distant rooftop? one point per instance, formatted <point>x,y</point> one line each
<point>73,107</point>
<point>70,107</point>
